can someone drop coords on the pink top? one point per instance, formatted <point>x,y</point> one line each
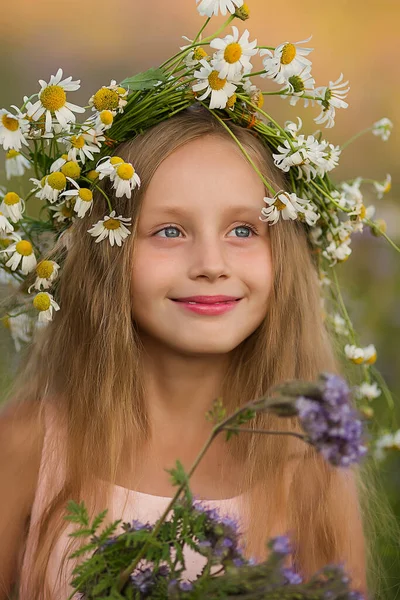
<point>126,505</point>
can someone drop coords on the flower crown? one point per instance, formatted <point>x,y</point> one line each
<point>70,159</point>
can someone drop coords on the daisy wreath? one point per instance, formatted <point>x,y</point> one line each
<point>70,160</point>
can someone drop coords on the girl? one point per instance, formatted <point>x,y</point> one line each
<point>116,388</point>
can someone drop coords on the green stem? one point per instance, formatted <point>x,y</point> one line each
<point>357,135</point>
<point>267,116</point>
<point>265,182</point>
<point>376,227</point>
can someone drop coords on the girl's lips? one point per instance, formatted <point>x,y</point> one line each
<point>217,308</point>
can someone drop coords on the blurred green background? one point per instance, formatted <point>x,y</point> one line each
<point>100,41</point>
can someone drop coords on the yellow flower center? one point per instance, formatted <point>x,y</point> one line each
<point>105,99</point>
<point>57,180</point>
<point>10,123</point>
<point>5,242</point>
<point>359,360</point>
<point>125,171</point>
<point>64,156</point>
<point>53,97</point>
<point>11,198</point>
<point>371,359</point>
<point>231,101</point>
<point>6,322</point>
<point>215,82</point>
<point>12,154</point>
<point>363,211</point>
<point>66,211</point>
<point>43,181</point>
<point>45,269</point>
<point>77,141</point>
<point>71,169</point>
<point>233,52</point>
<point>111,224</point>
<point>199,53</point>
<point>116,160</point>
<point>387,187</point>
<point>106,117</point>
<point>41,301</point>
<point>288,54</point>
<point>85,194</point>
<point>243,12</point>
<point>279,205</point>
<point>121,91</point>
<point>92,175</point>
<point>24,248</point>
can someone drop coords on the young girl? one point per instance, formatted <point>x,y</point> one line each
<point>116,388</point>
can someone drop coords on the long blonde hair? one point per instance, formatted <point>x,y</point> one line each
<point>78,365</point>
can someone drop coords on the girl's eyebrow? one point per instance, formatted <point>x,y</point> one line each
<point>178,211</point>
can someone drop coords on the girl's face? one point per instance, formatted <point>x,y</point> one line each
<point>194,238</point>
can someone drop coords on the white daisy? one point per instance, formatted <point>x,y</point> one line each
<point>109,97</point>
<point>208,8</point>
<point>354,353</point>
<point>383,128</point>
<point>106,167</point>
<point>57,164</point>
<point>103,120</point>
<point>80,146</point>
<point>233,55</point>
<point>286,60</point>
<point>125,180</point>
<point>16,164</point>
<point>45,304</point>
<point>22,252</point>
<point>20,329</point>
<point>352,191</point>
<point>13,129</point>
<point>340,325</point>
<point>63,212</point>
<point>309,214</point>
<point>282,204</point>
<point>54,184</point>
<point>83,198</point>
<point>53,101</point>
<point>368,390</point>
<point>292,128</point>
<point>304,153</point>
<point>195,55</point>
<point>331,97</point>
<point>46,271</point>
<point>12,206</point>
<point>220,89</point>
<point>5,225</point>
<point>112,227</point>
<point>298,85</point>
<point>370,354</point>
<point>383,188</point>
<point>330,160</point>
<point>337,252</point>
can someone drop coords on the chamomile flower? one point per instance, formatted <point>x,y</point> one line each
<point>16,164</point>
<point>340,325</point>
<point>46,273</point>
<point>111,97</point>
<point>370,354</point>
<point>331,97</point>
<point>220,89</point>
<point>12,206</point>
<point>52,101</point>
<point>368,390</point>
<point>21,329</point>
<point>5,225</point>
<point>125,180</point>
<point>298,85</point>
<point>111,227</point>
<point>208,8</point>
<point>301,152</point>
<point>64,211</point>
<point>195,55</point>
<point>106,167</point>
<point>286,60</point>
<point>387,441</point>
<point>337,251</point>
<point>383,188</point>
<point>45,304</point>
<point>366,355</point>
<point>102,120</point>
<point>233,54</point>
<point>82,146</point>
<point>83,198</point>
<point>383,128</point>
<point>54,184</point>
<point>284,205</point>
<point>13,129</point>
<point>22,257</point>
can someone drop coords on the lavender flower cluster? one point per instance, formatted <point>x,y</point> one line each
<point>330,422</point>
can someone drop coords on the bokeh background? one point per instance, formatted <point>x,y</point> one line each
<point>98,41</point>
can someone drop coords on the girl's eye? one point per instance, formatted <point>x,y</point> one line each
<point>243,226</point>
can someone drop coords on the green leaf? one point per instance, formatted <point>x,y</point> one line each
<point>145,80</point>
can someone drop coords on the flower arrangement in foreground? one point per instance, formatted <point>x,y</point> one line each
<point>147,561</point>
<point>72,161</point>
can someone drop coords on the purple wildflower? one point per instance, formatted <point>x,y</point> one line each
<point>185,586</point>
<point>331,424</point>
<point>280,544</point>
<point>291,576</point>
<point>143,580</point>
